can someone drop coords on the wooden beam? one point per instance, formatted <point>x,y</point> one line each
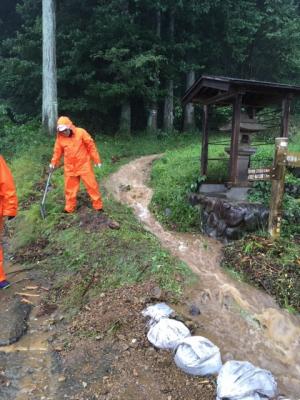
<point>286,103</point>
<point>219,98</point>
<point>204,149</point>
<point>236,122</point>
<point>215,84</point>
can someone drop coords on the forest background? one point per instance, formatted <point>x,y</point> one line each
<point>123,65</point>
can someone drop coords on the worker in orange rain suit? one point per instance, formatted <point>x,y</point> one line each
<point>8,208</point>
<point>78,149</point>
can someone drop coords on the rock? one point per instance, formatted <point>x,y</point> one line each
<point>134,343</point>
<point>156,293</point>
<point>194,310</point>
<point>191,325</point>
<point>234,216</point>
<point>251,221</point>
<point>212,220</point>
<point>168,212</point>
<point>13,319</point>
<point>230,219</point>
<point>233,233</point>
<point>58,348</point>
<point>221,228</point>
<point>114,225</point>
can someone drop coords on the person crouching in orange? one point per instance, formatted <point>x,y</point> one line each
<point>8,208</point>
<point>78,149</point>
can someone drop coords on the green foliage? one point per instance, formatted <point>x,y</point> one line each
<point>175,176</point>
<point>261,191</point>
<point>270,265</point>
<point>117,51</point>
<point>172,178</point>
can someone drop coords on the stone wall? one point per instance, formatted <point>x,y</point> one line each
<point>228,220</point>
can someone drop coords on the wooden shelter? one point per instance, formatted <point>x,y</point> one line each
<point>251,94</point>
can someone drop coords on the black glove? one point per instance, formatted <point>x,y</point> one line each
<point>10,217</point>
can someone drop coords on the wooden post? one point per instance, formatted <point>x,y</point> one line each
<point>286,102</point>
<point>234,146</point>
<point>204,150</point>
<point>277,190</point>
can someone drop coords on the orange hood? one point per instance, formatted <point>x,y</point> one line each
<point>66,121</point>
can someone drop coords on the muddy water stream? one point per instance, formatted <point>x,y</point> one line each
<point>244,322</point>
<point>27,365</point>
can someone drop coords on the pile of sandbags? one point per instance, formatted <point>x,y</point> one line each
<point>196,355</point>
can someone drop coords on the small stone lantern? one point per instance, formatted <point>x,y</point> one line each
<point>248,126</point>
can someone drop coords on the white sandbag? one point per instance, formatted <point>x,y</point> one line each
<point>240,380</point>
<point>157,311</point>
<point>167,333</point>
<point>197,355</point>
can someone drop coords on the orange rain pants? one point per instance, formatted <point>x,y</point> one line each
<point>79,150</point>
<point>71,188</point>
<point>8,204</point>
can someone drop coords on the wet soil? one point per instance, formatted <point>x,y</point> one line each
<point>109,341</point>
<point>33,253</point>
<point>245,323</point>
<point>102,354</point>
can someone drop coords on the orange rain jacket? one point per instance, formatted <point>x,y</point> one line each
<point>8,204</point>
<point>8,196</point>
<point>78,150</point>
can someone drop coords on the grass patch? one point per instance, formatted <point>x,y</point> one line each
<point>171,178</point>
<point>177,173</point>
<point>270,265</point>
<point>87,262</point>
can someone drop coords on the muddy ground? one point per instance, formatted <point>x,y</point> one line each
<point>108,341</point>
<point>102,354</point>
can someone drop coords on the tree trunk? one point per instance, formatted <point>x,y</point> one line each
<point>152,118</point>
<point>169,99</point>
<point>153,109</point>
<point>168,107</point>
<point>125,119</point>
<point>49,107</point>
<point>189,112</point>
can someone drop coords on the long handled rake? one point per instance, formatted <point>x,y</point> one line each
<point>42,206</point>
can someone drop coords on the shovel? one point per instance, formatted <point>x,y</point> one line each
<point>42,207</point>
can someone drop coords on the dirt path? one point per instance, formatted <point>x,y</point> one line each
<point>244,322</point>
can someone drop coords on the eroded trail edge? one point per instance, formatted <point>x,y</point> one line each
<point>244,322</point>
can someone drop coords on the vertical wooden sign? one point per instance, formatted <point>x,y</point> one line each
<point>277,191</point>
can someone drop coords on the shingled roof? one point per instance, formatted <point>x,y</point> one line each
<point>221,90</point>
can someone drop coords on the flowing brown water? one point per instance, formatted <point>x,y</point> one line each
<point>244,322</point>
<point>27,364</point>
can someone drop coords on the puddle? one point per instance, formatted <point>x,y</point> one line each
<point>244,322</point>
<point>27,365</point>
